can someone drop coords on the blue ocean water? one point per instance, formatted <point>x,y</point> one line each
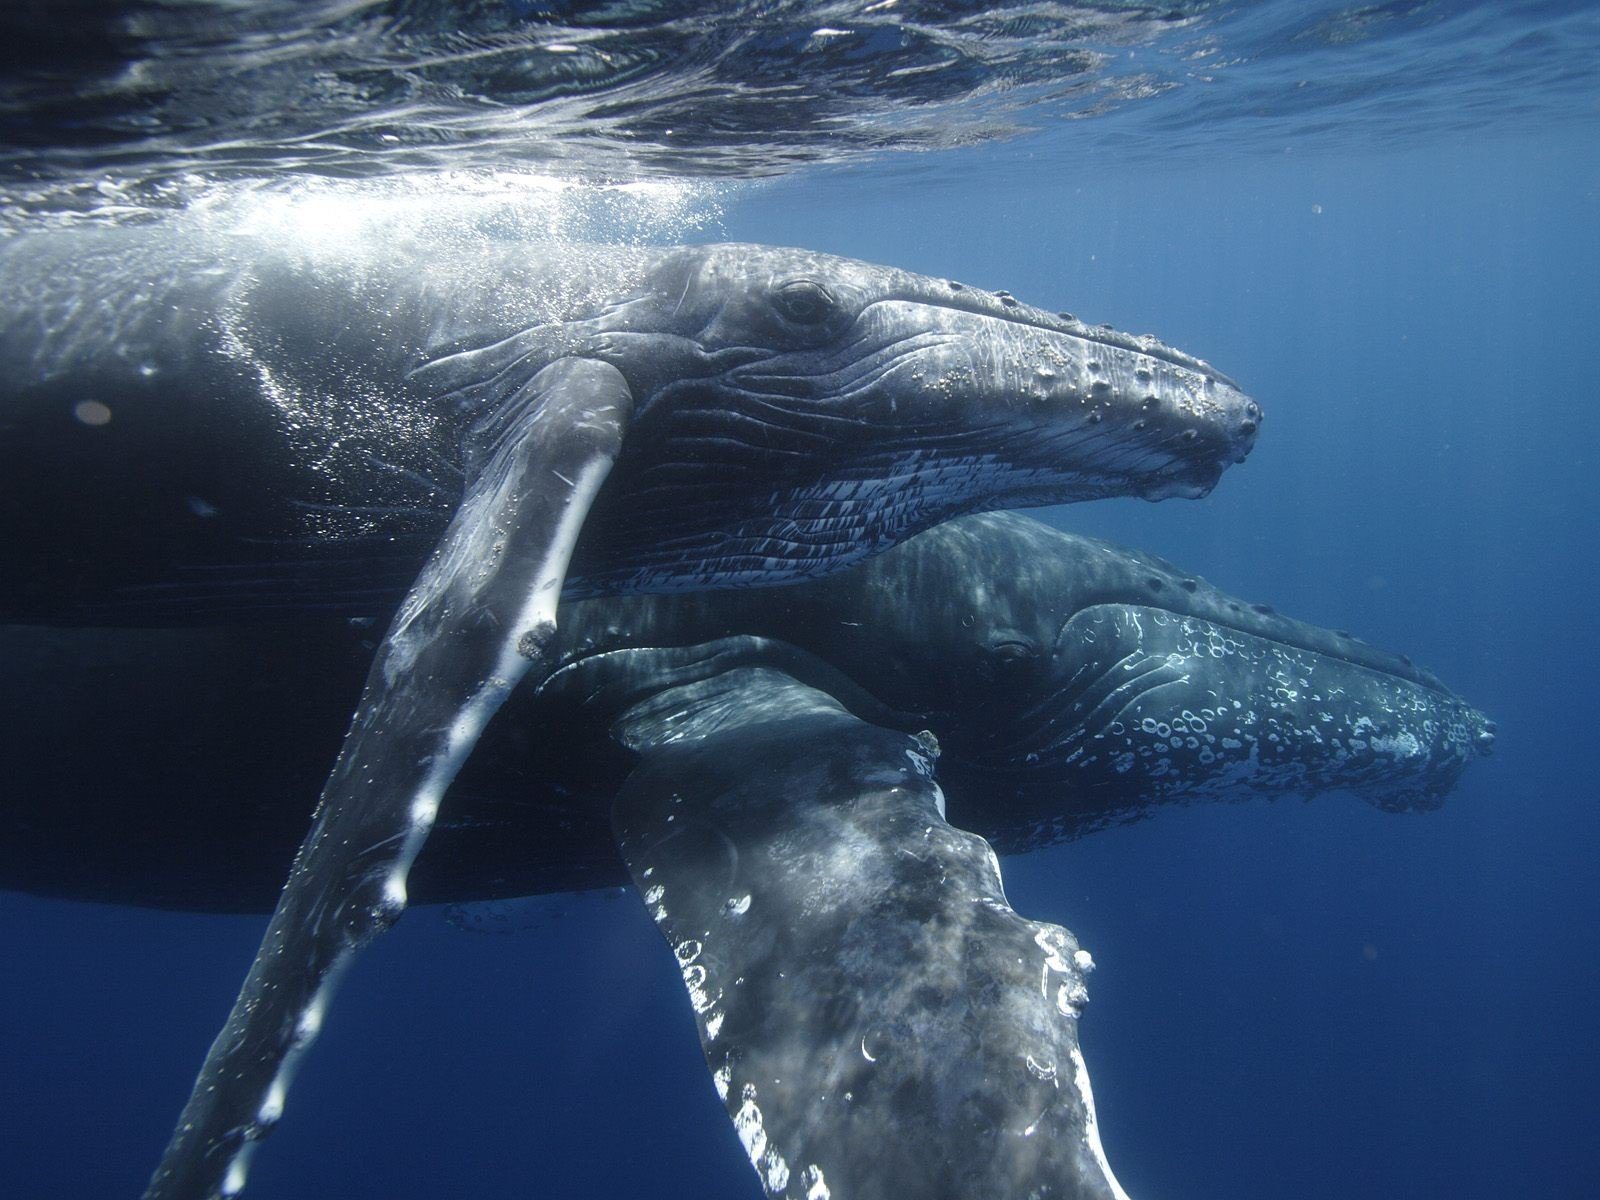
<point>1295,999</point>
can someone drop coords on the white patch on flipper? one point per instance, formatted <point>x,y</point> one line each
<point>994,866</point>
<point>1091,1123</point>
<point>310,1023</point>
<point>394,889</point>
<point>306,1029</point>
<point>272,1107</point>
<point>233,1181</point>
<point>538,611</point>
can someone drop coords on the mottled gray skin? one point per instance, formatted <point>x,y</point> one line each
<point>877,1020</point>
<point>220,423</point>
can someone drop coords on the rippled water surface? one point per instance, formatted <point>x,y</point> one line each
<point>148,93</point>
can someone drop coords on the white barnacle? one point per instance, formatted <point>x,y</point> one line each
<point>1071,997</point>
<point>748,1125</point>
<point>816,1185</point>
<point>776,1175</point>
<point>764,1156</point>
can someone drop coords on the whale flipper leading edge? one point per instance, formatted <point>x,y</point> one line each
<point>476,620</point>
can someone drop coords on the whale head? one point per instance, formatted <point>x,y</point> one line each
<point>832,408</point>
<point>1098,682</point>
<point>1094,412</point>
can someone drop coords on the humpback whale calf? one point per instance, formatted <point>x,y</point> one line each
<point>1070,683</point>
<point>202,422</point>
<point>777,810</point>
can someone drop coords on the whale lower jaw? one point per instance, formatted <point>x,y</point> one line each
<point>810,531</point>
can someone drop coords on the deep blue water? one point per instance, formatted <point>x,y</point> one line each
<point>1293,1000</point>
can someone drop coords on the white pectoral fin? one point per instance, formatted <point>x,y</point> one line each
<point>475,620</point>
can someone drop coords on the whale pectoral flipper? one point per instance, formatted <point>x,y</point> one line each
<point>472,624</point>
<point>877,1020</point>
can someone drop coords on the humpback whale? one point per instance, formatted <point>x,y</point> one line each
<point>1042,661</point>
<point>869,1005</point>
<point>218,423</point>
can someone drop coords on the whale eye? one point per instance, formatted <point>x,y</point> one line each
<point>1009,650</point>
<point>804,302</point>
<point>1004,655</point>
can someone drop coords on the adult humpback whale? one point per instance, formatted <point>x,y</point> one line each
<point>217,423</point>
<point>781,822</point>
<point>1070,683</point>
